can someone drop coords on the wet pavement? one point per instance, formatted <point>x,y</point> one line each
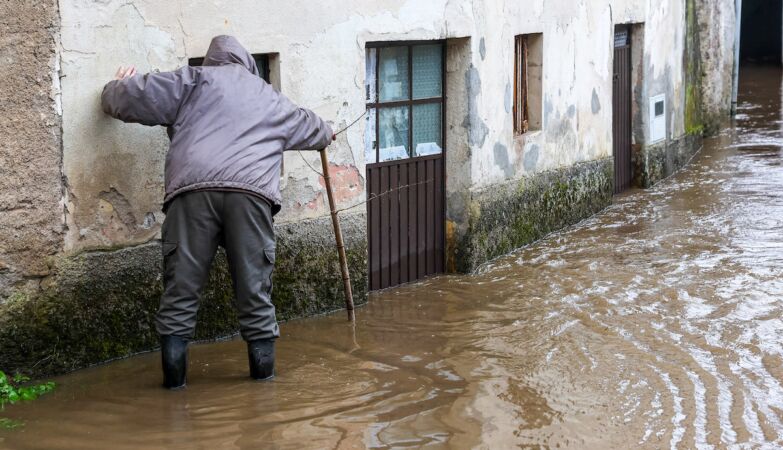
<point>656,324</point>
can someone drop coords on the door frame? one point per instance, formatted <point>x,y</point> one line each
<point>440,219</point>
<point>616,120</point>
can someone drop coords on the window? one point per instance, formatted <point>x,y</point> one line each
<point>404,94</point>
<point>262,62</point>
<point>528,75</point>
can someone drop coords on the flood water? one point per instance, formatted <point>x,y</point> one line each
<point>655,324</point>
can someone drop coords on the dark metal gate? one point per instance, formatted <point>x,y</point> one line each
<point>405,224</point>
<point>621,121</point>
<point>405,176</point>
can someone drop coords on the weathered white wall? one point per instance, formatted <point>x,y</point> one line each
<point>717,25</point>
<point>114,171</point>
<point>578,61</point>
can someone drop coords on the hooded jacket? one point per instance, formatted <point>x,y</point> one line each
<point>228,127</point>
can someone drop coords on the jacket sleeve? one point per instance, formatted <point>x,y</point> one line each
<point>150,99</point>
<point>306,131</point>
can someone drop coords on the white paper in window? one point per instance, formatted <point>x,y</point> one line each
<point>393,76</point>
<point>371,96</point>
<point>393,133</point>
<point>369,137</point>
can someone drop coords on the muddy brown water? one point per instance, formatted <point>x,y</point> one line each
<point>655,324</point>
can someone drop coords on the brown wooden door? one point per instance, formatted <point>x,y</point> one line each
<point>406,169</point>
<point>621,121</point>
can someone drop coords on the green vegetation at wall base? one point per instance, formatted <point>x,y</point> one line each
<point>19,389</point>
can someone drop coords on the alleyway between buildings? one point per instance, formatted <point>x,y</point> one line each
<point>654,324</point>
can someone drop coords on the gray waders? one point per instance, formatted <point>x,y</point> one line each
<point>196,223</point>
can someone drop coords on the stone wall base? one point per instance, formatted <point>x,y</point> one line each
<point>504,217</point>
<point>100,306</point>
<point>655,162</point>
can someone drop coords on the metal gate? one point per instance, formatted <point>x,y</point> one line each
<point>621,121</point>
<point>405,170</point>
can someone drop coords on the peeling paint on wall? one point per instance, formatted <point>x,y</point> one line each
<point>347,183</point>
<point>477,129</point>
<point>531,158</point>
<point>595,103</point>
<point>501,160</point>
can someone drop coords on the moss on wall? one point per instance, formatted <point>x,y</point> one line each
<point>101,305</point>
<point>508,216</point>
<point>655,162</point>
<point>694,122</point>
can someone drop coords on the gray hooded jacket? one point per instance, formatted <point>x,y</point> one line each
<point>228,127</point>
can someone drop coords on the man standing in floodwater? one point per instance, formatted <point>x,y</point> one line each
<point>228,130</point>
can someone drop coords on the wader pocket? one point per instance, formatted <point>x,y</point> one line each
<point>269,256</point>
<point>169,248</point>
<point>168,261</point>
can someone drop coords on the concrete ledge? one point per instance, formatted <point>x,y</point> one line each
<point>101,305</point>
<point>507,216</point>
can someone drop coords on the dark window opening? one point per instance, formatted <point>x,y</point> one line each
<point>658,109</point>
<point>762,31</point>
<point>521,112</point>
<point>528,76</point>
<point>262,62</point>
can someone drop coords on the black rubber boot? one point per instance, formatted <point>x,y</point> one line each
<point>174,354</point>
<point>261,354</point>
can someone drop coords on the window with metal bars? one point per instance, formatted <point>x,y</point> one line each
<point>528,78</point>
<point>404,95</point>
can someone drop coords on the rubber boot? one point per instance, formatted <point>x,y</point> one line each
<point>174,354</point>
<point>261,354</point>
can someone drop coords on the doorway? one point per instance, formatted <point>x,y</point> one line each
<point>621,115</point>
<point>762,32</point>
<point>405,156</point>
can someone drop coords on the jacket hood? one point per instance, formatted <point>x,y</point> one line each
<point>227,50</point>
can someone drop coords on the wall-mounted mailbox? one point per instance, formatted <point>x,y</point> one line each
<point>657,118</point>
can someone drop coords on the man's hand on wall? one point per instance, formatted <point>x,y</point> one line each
<point>125,72</point>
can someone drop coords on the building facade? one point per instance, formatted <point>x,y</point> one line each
<point>482,126</point>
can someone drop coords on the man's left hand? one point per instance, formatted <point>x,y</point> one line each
<point>125,72</point>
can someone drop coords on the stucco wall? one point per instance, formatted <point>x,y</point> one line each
<point>717,24</point>
<point>114,170</point>
<point>30,183</point>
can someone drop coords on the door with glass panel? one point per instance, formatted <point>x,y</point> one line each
<point>405,156</point>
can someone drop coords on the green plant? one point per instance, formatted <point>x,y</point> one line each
<point>16,389</point>
<point>9,424</point>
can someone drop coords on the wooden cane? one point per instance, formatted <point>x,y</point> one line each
<point>338,235</point>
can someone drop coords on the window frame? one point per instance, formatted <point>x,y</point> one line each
<point>264,70</point>
<point>377,105</point>
<point>521,84</point>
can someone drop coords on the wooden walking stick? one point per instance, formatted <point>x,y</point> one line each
<point>338,235</point>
